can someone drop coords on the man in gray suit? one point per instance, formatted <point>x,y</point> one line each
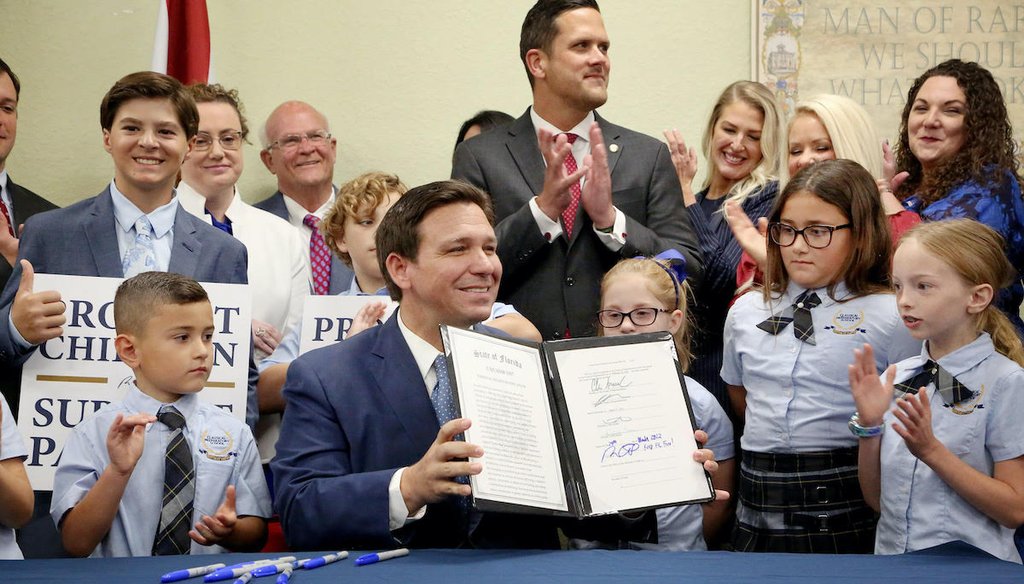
<point>18,202</point>
<point>572,192</point>
<point>299,150</point>
<point>148,121</point>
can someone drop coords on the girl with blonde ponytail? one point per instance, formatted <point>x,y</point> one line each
<point>947,461</point>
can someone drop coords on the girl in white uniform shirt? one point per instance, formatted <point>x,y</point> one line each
<point>827,291</point>
<point>642,295</point>
<point>947,462</point>
<point>16,496</point>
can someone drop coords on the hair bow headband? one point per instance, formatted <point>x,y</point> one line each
<point>674,264</point>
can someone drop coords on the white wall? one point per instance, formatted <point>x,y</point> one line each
<point>396,78</point>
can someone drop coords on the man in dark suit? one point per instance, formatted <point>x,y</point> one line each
<point>299,150</point>
<point>557,239</point>
<point>18,202</point>
<point>363,461</point>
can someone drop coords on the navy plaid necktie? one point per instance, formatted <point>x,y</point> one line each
<point>951,390</point>
<point>179,488</point>
<point>798,313</point>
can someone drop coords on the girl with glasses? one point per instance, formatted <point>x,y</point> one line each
<point>644,295</point>
<point>824,127</point>
<point>827,291</point>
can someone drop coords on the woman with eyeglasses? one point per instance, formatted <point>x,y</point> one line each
<point>278,270</point>
<point>827,292</point>
<point>741,144</point>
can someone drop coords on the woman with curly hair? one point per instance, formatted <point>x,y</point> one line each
<point>957,145</point>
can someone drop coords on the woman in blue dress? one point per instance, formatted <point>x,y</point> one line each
<point>957,146</point>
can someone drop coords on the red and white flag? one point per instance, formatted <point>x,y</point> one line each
<point>182,45</point>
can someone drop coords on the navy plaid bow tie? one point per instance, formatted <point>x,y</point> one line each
<point>798,313</point>
<point>951,390</point>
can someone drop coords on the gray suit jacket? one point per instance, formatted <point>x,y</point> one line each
<point>26,204</point>
<point>557,284</point>
<point>341,275</point>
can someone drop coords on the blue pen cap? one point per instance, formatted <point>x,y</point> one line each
<point>174,576</point>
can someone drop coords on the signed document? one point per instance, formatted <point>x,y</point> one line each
<point>580,427</point>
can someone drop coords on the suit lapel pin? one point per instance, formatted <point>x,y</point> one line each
<point>613,147</point>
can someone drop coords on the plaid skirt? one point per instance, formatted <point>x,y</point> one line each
<point>803,503</point>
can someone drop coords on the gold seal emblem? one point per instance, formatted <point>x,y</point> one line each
<point>847,322</point>
<point>217,446</point>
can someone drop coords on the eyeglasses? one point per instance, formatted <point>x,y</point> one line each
<point>638,316</point>
<point>227,141</point>
<point>290,142</point>
<point>816,236</point>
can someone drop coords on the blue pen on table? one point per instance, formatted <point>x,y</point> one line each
<point>314,563</point>
<point>261,562</point>
<point>368,559</point>
<point>244,578</point>
<point>271,569</point>
<point>189,573</point>
<point>285,575</point>
<point>239,570</point>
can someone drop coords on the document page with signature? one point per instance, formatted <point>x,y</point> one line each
<point>632,426</point>
<point>501,387</point>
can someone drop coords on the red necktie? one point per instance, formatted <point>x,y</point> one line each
<point>319,257</point>
<point>569,214</point>
<point>7,217</point>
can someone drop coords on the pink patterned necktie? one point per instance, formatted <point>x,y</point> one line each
<point>319,257</point>
<point>7,217</point>
<point>569,214</point>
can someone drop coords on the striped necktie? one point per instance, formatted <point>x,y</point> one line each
<point>179,488</point>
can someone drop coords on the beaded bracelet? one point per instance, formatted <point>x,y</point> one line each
<point>864,431</point>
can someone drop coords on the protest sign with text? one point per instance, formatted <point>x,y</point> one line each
<point>70,377</point>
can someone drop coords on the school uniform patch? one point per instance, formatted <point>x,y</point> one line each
<point>217,446</point>
<point>847,322</point>
<point>969,404</point>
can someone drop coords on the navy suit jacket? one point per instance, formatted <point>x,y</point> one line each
<point>357,411</point>
<point>80,240</point>
<point>341,275</point>
<point>26,204</point>
<point>557,284</point>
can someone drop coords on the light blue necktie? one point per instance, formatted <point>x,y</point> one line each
<point>140,256</point>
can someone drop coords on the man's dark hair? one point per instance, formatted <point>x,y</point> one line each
<point>5,68</point>
<point>539,27</point>
<point>398,231</point>
<point>151,85</point>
